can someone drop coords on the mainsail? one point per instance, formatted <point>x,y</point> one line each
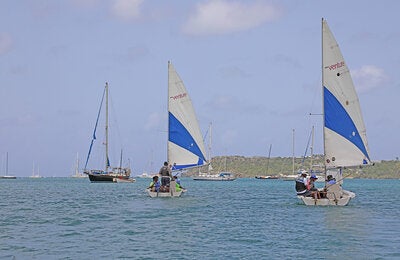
<point>345,140</point>
<point>185,142</point>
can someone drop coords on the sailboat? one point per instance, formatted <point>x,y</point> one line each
<point>76,173</point>
<point>108,174</point>
<point>208,176</point>
<point>267,177</point>
<point>7,176</point>
<point>345,140</point>
<point>35,173</point>
<point>185,146</point>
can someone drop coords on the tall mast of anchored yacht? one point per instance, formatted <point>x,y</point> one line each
<point>106,144</point>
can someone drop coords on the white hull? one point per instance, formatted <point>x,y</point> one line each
<point>213,178</point>
<point>333,199</point>
<point>165,194</point>
<point>171,193</point>
<point>123,180</point>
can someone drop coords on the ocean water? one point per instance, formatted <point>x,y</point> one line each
<point>66,218</point>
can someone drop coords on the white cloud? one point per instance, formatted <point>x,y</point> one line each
<point>222,17</point>
<point>127,9</point>
<point>369,77</point>
<point>5,43</point>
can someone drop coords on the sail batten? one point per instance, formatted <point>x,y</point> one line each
<point>185,143</point>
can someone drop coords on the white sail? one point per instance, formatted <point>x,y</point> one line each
<point>185,142</point>
<point>345,140</point>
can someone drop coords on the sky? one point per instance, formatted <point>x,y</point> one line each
<point>251,67</point>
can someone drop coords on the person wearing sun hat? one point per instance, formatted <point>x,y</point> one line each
<point>301,184</point>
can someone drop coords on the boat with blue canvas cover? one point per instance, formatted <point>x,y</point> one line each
<point>345,140</point>
<point>185,146</point>
<point>108,174</point>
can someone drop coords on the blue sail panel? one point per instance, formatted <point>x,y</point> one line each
<point>185,166</point>
<point>180,136</point>
<point>338,120</point>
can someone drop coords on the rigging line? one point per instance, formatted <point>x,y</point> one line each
<point>305,152</point>
<point>95,128</point>
<point>116,124</point>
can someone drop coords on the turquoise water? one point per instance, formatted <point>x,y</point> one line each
<point>66,218</point>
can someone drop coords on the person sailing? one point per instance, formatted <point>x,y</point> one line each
<point>166,175</point>
<point>155,185</point>
<point>178,184</point>
<point>301,184</point>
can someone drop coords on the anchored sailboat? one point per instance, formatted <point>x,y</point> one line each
<point>185,148</point>
<point>76,173</point>
<point>7,176</point>
<point>109,174</point>
<point>345,140</point>
<point>208,176</point>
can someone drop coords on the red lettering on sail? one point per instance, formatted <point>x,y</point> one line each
<point>335,66</point>
<point>179,96</point>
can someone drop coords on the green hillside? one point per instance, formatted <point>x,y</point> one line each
<point>248,167</point>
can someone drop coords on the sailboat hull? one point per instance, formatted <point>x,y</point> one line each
<point>171,193</point>
<point>164,194</point>
<point>332,199</point>
<point>8,177</point>
<point>97,177</point>
<point>213,178</point>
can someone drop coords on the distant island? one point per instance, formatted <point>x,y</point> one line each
<point>249,167</point>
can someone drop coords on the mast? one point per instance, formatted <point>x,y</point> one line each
<point>312,148</point>
<point>77,165</point>
<point>323,107</point>
<point>106,144</point>
<point>7,164</point>
<point>209,145</point>
<point>169,64</point>
<point>269,156</point>
<point>293,151</point>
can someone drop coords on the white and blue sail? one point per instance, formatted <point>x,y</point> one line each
<point>345,140</point>
<point>185,142</point>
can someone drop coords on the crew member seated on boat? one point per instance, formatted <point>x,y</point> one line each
<point>301,185</point>
<point>155,185</point>
<point>166,175</point>
<point>178,186</point>
<point>330,180</point>
<point>314,192</point>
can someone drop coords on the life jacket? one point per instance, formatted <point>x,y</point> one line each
<point>300,186</point>
<point>164,171</point>
<point>177,187</point>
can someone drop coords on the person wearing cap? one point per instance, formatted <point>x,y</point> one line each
<point>301,184</point>
<point>313,191</point>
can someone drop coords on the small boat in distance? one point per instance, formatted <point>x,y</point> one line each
<point>7,176</point>
<point>109,174</point>
<point>35,174</point>
<point>267,177</point>
<point>222,176</point>
<point>76,173</point>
